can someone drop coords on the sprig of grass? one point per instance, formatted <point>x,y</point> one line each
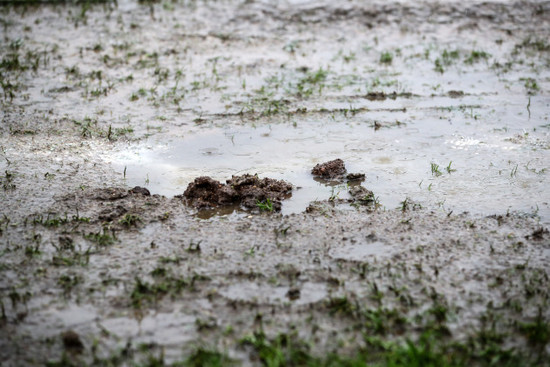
<point>435,170</point>
<point>449,169</point>
<point>266,205</point>
<point>386,58</point>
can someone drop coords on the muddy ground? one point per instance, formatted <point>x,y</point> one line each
<point>444,106</point>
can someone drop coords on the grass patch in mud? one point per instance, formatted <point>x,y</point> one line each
<point>432,347</point>
<point>289,350</point>
<point>102,238</point>
<point>415,331</point>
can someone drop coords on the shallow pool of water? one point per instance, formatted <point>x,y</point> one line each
<point>447,159</point>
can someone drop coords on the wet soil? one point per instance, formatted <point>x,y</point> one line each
<point>71,341</point>
<point>330,170</point>
<point>110,110</point>
<point>247,190</point>
<point>335,170</point>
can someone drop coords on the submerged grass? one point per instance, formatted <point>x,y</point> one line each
<point>102,238</point>
<point>476,56</point>
<point>146,294</point>
<point>446,59</point>
<point>205,357</point>
<point>427,351</point>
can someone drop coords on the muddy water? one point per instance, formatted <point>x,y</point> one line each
<point>491,124</point>
<point>489,171</point>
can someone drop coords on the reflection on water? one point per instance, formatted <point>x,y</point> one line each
<point>477,168</point>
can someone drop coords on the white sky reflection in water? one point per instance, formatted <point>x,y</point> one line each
<point>495,170</point>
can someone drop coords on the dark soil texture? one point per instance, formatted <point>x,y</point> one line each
<point>330,170</point>
<point>246,190</point>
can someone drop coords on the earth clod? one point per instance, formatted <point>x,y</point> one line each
<point>361,194</point>
<point>140,190</point>
<point>330,169</point>
<point>72,341</point>
<point>335,170</point>
<point>246,190</point>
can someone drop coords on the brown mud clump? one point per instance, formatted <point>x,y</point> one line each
<point>247,190</point>
<point>72,341</point>
<point>140,190</point>
<point>361,195</point>
<point>335,170</point>
<point>329,170</point>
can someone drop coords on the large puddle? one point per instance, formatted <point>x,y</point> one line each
<point>485,167</point>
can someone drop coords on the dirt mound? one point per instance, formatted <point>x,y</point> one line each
<point>331,169</point>
<point>361,194</point>
<point>247,190</point>
<point>335,170</point>
<point>140,190</point>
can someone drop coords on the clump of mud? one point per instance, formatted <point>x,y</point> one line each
<point>140,190</point>
<point>331,169</point>
<point>361,195</point>
<point>335,170</point>
<point>247,190</point>
<point>72,341</point>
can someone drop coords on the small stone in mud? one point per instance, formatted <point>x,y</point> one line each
<point>140,190</point>
<point>329,170</point>
<point>72,341</point>
<point>293,294</point>
<point>455,93</point>
<point>246,190</point>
